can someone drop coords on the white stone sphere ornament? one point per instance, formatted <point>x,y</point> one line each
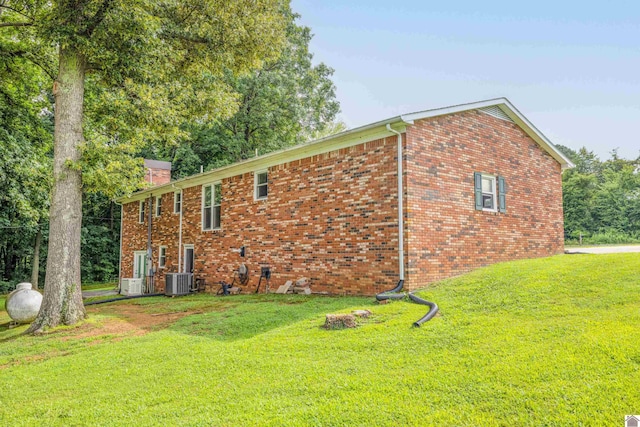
<point>23,304</point>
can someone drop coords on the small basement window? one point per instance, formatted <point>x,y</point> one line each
<point>162,257</point>
<point>261,185</point>
<point>141,211</point>
<point>177,202</point>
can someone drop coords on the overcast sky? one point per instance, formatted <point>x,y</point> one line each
<point>572,68</point>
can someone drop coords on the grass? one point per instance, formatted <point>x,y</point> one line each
<point>541,342</point>
<point>609,237</point>
<point>99,286</point>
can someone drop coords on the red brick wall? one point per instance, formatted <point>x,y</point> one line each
<point>331,218</point>
<point>446,236</point>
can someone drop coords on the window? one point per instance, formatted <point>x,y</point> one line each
<point>141,211</point>
<point>177,202</point>
<point>158,205</point>
<point>162,257</point>
<point>490,192</point>
<point>261,185</point>
<point>211,201</point>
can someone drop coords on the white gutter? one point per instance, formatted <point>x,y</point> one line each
<point>400,206</point>
<point>351,137</point>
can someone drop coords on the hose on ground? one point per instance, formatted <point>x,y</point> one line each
<point>396,294</point>
<point>433,309</point>
<point>392,293</point>
<point>122,298</point>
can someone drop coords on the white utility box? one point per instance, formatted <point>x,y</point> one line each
<point>131,287</point>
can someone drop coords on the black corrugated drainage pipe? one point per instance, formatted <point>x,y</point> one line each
<point>123,298</point>
<point>395,294</point>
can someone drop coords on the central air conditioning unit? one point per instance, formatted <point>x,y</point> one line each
<point>131,287</point>
<point>178,283</point>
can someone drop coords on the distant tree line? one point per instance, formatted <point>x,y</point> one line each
<point>601,198</point>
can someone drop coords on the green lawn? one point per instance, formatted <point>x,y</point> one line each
<point>99,286</point>
<point>545,342</point>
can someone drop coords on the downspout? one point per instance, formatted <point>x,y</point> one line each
<point>149,251</point>
<point>120,258</point>
<point>179,228</point>
<point>180,233</point>
<point>400,206</point>
<point>395,293</point>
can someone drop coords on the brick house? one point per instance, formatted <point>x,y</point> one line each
<point>480,184</point>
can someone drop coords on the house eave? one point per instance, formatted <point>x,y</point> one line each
<point>349,138</point>
<point>510,110</point>
<point>340,140</point>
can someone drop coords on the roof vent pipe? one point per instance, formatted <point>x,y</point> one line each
<point>400,206</point>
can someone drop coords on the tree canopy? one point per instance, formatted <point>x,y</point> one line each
<point>124,74</point>
<point>25,158</point>
<point>601,199</point>
<point>287,101</point>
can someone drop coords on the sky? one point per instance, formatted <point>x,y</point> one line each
<point>571,67</point>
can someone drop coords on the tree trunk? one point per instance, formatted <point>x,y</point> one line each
<point>35,261</point>
<point>62,302</point>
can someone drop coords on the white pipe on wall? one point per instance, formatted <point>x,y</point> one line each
<point>120,259</point>
<point>400,206</point>
<point>179,225</point>
<point>180,232</point>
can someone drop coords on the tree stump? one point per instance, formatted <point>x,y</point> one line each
<point>362,313</point>
<point>340,321</point>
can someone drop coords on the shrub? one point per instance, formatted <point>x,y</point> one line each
<point>6,287</point>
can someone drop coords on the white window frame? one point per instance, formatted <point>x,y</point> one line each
<point>214,193</point>
<point>256,174</point>
<point>177,205</point>
<point>158,206</point>
<point>493,194</point>
<point>141,209</point>
<point>162,257</point>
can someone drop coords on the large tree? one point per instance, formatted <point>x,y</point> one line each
<point>126,72</point>
<point>288,101</point>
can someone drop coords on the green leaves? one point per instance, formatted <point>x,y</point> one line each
<point>601,197</point>
<point>152,66</point>
<point>286,102</point>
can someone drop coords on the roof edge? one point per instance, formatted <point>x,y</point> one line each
<point>510,110</point>
<point>351,137</point>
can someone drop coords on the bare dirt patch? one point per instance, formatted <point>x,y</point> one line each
<point>125,320</point>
